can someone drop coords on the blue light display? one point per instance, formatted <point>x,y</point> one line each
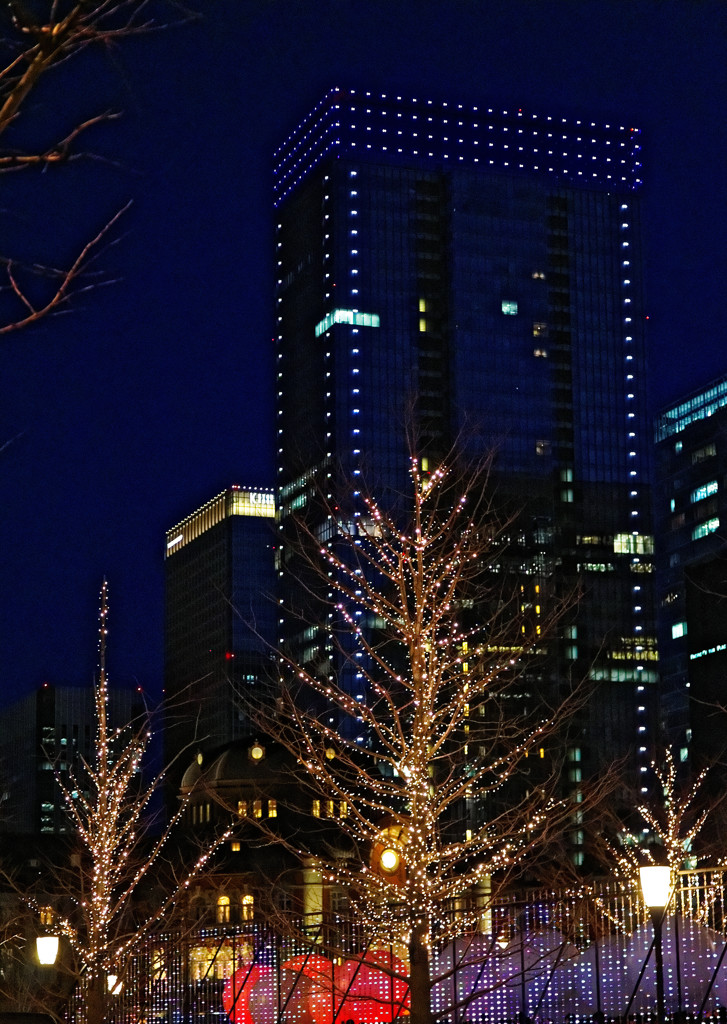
<point>565,150</point>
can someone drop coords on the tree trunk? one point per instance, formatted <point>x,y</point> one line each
<point>94,998</point>
<point>419,978</point>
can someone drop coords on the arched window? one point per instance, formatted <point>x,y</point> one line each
<point>223,910</point>
<point>247,907</point>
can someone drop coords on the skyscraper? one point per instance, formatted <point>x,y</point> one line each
<point>691,513</point>
<point>219,607</point>
<point>483,269</point>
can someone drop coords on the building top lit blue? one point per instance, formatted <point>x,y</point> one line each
<point>696,406</point>
<point>368,126</point>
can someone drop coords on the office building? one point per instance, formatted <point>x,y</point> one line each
<point>481,268</point>
<point>691,517</point>
<point>219,618</point>
<point>43,736</point>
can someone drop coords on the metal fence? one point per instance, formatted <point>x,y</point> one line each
<point>546,956</point>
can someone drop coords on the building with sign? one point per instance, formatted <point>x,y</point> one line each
<point>477,273</point>
<point>219,617</point>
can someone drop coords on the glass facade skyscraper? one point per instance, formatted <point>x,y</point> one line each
<point>691,512</point>
<point>480,271</point>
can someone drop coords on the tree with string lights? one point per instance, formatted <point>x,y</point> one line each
<point>117,857</point>
<point>429,725</point>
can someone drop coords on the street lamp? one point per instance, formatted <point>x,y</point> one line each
<point>656,890</point>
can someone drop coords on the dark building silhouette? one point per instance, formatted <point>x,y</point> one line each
<point>219,619</point>
<point>691,503</point>
<point>43,735</point>
<point>479,272</point>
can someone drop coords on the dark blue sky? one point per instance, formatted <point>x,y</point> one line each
<point>152,395</point>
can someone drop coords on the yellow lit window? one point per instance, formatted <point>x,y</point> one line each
<point>242,808</point>
<point>257,808</point>
<point>465,666</point>
<point>343,809</point>
<point>235,846</point>
<point>223,910</point>
<point>542,752</point>
<point>422,325</point>
<point>331,808</point>
<point>272,808</point>
<point>316,808</point>
<point>247,907</point>
<point>422,305</point>
<point>468,834</point>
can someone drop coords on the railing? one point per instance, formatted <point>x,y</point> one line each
<point>549,956</point>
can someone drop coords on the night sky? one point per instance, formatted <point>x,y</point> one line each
<point>150,396</point>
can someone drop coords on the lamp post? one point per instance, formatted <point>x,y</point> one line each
<point>656,890</point>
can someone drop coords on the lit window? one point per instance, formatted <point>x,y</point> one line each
<point>242,808</point>
<point>678,629</point>
<point>257,808</point>
<point>422,325</point>
<point>247,908</point>
<point>704,491</point>
<point>272,808</point>
<point>509,307</point>
<point>235,846</point>
<point>422,305</point>
<point>703,529</point>
<point>704,453</point>
<point>316,808</point>
<point>540,330</point>
<point>633,544</point>
<point>223,910</point>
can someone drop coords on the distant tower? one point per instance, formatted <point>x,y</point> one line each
<point>50,731</point>
<point>220,617</point>
<point>485,263</point>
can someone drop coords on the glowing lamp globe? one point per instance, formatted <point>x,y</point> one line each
<point>389,860</point>
<point>655,885</point>
<point>47,949</point>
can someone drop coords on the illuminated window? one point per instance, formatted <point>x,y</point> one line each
<point>540,353</point>
<point>704,491</point>
<point>422,305</point>
<point>509,307</point>
<point>242,808</point>
<point>633,544</point>
<point>702,454</point>
<point>703,529</point>
<point>272,808</point>
<point>540,330</point>
<point>678,629</point>
<point>346,316</point>
<point>331,808</point>
<point>257,808</point>
<point>223,910</point>
<point>343,809</point>
<point>422,325</point>
<point>247,908</point>
<point>235,846</point>
<point>316,808</point>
